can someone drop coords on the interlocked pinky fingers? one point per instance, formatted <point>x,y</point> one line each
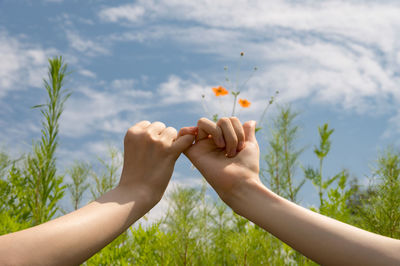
<point>237,126</point>
<point>208,127</point>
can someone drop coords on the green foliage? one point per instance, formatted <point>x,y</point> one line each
<point>4,163</point>
<point>118,252</point>
<point>13,199</point>
<point>79,173</point>
<point>44,187</point>
<point>10,223</point>
<point>109,175</point>
<point>181,222</point>
<point>315,175</point>
<point>282,155</point>
<point>150,246</point>
<point>380,211</point>
<point>215,118</point>
<point>336,205</point>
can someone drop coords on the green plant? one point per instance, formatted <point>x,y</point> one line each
<point>315,175</point>
<point>282,157</point>
<point>4,163</point>
<point>109,175</point>
<point>118,252</point>
<point>181,222</point>
<point>44,186</point>
<point>337,203</point>
<point>13,207</point>
<point>380,211</point>
<point>79,173</point>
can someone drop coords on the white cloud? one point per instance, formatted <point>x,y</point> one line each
<point>127,12</point>
<point>176,90</point>
<point>22,64</point>
<point>87,73</point>
<point>87,46</point>
<point>341,53</point>
<point>90,111</point>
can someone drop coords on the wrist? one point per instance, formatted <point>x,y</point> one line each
<point>242,196</point>
<point>140,195</point>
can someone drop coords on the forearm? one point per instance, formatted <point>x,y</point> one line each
<point>75,237</point>
<point>325,240</point>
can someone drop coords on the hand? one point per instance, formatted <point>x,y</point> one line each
<point>226,153</point>
<point>150,152</point>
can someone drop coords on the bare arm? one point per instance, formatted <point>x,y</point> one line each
<point>73,238</point>
<point>236,180</point>
<point>325,240</point>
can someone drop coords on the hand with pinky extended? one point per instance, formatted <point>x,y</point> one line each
<point>226,153</point>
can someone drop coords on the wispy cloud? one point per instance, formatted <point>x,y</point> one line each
<point>341,53</point>
<point>87,73</point>
<point>112,108</point>
<point>22,64</point>
<point>87,46</point>
<point>131,13</point>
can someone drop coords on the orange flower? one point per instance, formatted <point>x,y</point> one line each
<point>220,91</point>
<point>244,103</point>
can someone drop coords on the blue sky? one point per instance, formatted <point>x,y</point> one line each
<point>334,61</point>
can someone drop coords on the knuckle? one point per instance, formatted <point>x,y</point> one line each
<point>223,120</point>
<point>173,131</point>
<point>234,119</point>
<point>133,130</point>
<point>202,121</point>
<point>131,133</point>
<point>151,137</point>
<point>143,122</point>
<point>160,124</point>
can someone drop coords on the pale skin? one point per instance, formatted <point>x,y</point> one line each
<point>236,180</point>
<point>73,238</point>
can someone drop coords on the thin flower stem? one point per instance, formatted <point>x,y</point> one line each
<point>270,102</point>
<point>263,115</point>
<point>251,75</point>
<point>205,109</point>
<point>237,72</point>
<point>227,80</point>
<point>234,104</point>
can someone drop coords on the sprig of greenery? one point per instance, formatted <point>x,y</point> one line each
<point>79,173</point>
<point>315,175</point>
<point>45,188</point>
<point>108,178</point>
<point>282,158</point>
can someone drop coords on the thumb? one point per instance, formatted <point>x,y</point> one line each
<point>250,131</point>
<point>182,143</point>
